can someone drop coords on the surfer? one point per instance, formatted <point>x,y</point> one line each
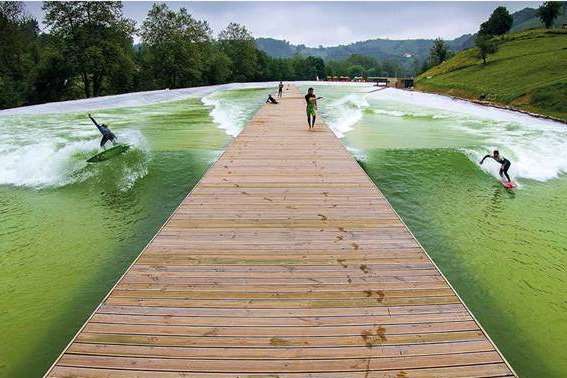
<point>107,135</point>
<point>311,109</point>
<point>271,99</point>
<point>280,90</point>
<point>504,164</point>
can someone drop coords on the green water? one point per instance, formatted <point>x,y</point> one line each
<point>68,229</point>
<point>504,251</point>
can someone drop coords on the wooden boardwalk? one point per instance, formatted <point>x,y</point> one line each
<point>284,261</point>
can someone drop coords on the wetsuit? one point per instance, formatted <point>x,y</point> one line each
<point>271,99</point>
<point>280,90</point>
<point>311,109</point>
<point>107,135</point>
<point>504,165</point>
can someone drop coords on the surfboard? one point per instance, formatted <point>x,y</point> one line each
<point>109,154</point>
<point>508,185</point>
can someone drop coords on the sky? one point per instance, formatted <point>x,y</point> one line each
<point>317,23</point>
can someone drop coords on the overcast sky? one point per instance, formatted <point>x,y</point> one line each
<point>333,23</point>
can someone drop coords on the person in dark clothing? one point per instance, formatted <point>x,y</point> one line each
<point>107,135</point>
<point>280,90</point>
<point>504,164</point>
<point>271,99</point>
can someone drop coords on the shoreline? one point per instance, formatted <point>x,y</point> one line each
<point>492,105</point>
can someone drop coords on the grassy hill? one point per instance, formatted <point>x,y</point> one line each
<point>528,72</point>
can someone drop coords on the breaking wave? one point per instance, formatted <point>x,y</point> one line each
<point>344,113</point>
<point>55,162</point>
<point>535,146</point>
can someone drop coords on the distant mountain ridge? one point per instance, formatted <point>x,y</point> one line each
<point>383,49</point>
<point>405,52</point>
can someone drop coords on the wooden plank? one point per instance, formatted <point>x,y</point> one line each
<point>285,260</point>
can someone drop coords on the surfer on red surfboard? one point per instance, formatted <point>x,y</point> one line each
<point>504,166</point>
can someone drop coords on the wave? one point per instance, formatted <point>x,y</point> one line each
<point>344,113</point>
<point>230,116</point>
<point>231,110</point>
<point>536,147</point>
<point>58,162</point>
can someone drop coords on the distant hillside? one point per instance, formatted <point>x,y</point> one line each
<point>527,19</point>
<point>528,71</point>
<point>404,52</point>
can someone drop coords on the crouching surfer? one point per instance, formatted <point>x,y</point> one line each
<point>107,135</point>
<point>504,164</point>
<point>271,100</point>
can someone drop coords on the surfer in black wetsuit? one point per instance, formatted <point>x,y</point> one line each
<point>271,99</point>
<point>107,135</point>
<point>504,164</point>
<point>280,90</point>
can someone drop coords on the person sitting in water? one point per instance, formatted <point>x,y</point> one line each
<point>271,99</point>
<point>504,164</point>
<point>107,135</point>
<point>311,109</point>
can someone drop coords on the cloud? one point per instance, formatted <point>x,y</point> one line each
<point>333,23</point>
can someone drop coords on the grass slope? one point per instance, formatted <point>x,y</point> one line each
<point>529,72</point>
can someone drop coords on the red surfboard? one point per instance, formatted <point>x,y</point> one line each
<point>508,184</point>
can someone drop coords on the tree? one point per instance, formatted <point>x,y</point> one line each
<point>218,68</point>
<point>18,53</point>
<point>238,44</point>
<point>438,53</point>
<point>95,39</point>
<point>500,22</point>
<point>176,46</point>
<point>485,45</point>
<point>548,12</point>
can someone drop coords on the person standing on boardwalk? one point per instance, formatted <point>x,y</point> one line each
<point>280,90</point>
<point>504,164</point>
<point>311,101</point>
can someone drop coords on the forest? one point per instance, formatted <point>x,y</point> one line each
<point>88,49</point>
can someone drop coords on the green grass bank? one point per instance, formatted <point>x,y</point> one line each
<point>528,72</point>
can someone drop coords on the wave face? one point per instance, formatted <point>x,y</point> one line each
<point>343,104</point>
<point>47,145</point>
<point>46,152</point>
<point>345,112</point>
<point>536,147</point>
<point>233,108</point>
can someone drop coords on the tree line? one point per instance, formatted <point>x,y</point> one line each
<point>89,50</point>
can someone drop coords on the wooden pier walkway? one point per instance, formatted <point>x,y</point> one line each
<point>284,261</point>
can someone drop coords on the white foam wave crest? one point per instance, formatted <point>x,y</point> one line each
<point>536,147</point>
<point>229,116</point>
<point>232,113</point>
<point>57,162</point>
<point>343,113</point>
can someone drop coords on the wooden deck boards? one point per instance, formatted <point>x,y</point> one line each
<point>284,261</point>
